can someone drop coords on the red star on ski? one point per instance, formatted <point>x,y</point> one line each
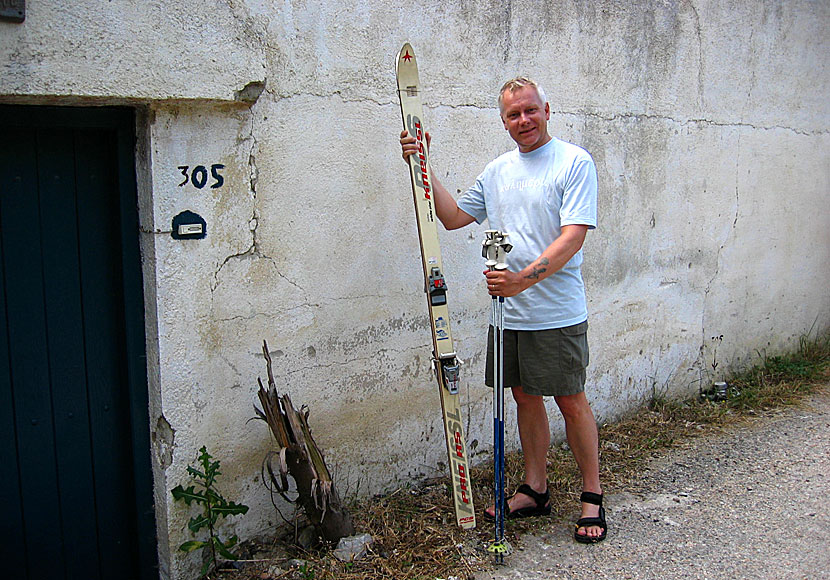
<point>407,57</point>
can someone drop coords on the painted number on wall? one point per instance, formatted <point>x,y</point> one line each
<point>199,176</point>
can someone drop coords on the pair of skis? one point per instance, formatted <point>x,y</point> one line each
<point>444,357</point>
<point>446,363</point>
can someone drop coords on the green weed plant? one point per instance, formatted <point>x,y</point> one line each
<point>204,493</point>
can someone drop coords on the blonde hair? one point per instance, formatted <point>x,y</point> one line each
<point>517,83</point>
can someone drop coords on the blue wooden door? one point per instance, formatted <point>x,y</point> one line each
<point>74,439</point>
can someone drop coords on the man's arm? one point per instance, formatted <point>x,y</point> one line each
<point>556,255</point>
<point>446,209</point>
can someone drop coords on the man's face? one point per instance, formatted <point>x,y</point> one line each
<point>525,117</point>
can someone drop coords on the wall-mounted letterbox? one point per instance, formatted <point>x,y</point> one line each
<point>189,226</point>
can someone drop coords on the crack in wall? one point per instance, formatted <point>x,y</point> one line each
<point>254,250</point>
<point>253,177</point>
<point>753,73</point>
<point>694,121</point>
<point>653,117</point>
<point>258,315</point>
<point>343,363</point>
<point>701,86</point>
<point>576,113</point>
<point>336,93</point>
<point>701,362</point>
<point>507,19</point>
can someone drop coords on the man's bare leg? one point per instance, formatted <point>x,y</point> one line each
<point>581,431</point>
<point>534,435</point>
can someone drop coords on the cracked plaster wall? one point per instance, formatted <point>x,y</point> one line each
<point>109,51</point>
<point>708,122</point>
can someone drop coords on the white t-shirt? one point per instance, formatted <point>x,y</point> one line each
<point>531,196</point>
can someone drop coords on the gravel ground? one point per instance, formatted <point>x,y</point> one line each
<point>746,503</point>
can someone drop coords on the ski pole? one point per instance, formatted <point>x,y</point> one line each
<point>494,248</point>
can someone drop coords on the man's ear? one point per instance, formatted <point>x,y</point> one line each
<point>547,111</point>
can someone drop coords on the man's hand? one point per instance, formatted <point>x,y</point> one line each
<point>505,283</point>
<point>445,207</point>
<point>409,145</point>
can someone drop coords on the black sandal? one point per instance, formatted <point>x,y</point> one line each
<point>594,499</point>
<point>542,507</point>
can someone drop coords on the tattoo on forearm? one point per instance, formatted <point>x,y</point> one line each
<point>538,270</point>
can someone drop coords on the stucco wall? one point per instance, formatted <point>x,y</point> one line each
<point>708,122</point>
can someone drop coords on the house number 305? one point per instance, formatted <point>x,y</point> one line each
<point>199,176</point>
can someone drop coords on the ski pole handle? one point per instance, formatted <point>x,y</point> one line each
<point>494,249</point>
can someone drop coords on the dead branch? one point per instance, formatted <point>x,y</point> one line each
<point>301,458</point>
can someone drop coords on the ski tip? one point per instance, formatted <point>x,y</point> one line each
<point>406,55</point>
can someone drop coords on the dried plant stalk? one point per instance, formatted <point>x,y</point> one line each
<point>302,460</point>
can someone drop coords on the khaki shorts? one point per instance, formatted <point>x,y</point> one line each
<point>550,363</point>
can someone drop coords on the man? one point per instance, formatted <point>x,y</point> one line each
<point>544,195</point>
